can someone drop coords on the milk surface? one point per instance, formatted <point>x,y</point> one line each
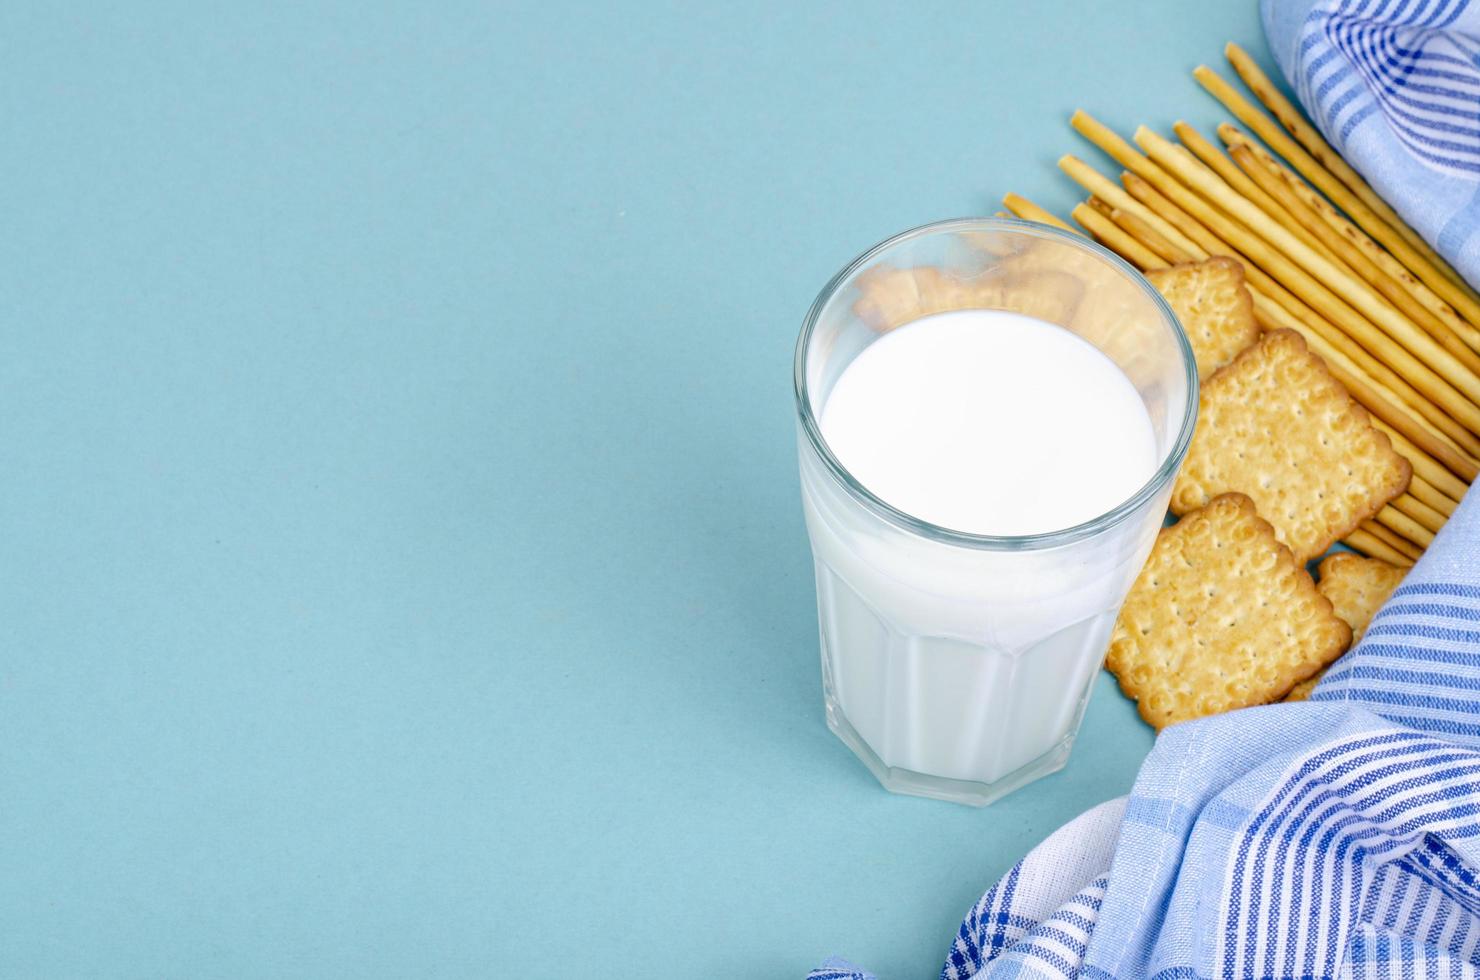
<point>948,662</point>
<point>990,422</point>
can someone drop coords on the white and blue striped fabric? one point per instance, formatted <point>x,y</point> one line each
<point>1338,837</point>
<point>1395,86</point>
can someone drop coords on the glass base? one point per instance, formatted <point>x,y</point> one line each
<point>911,783</point>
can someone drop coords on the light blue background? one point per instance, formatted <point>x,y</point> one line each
<point>401,563</point>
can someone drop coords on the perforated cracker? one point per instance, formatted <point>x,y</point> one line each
<point>1221,617</point>
<point>1214,306</point>
<point>890,297</point>
<point>1357,588</point>
<point>1275,424</point>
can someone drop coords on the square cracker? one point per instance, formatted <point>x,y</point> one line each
<point>1221,617</point>
<point>890,297</point>
<point>1357,588</point>
<point>1275,424</point>
<point>1214,306</point>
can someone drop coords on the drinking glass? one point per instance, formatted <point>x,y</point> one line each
<point>958,666</point>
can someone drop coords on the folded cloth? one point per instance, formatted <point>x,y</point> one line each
<point>1334,837</point>
<point>1394,85</point>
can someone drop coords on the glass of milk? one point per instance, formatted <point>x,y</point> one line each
<point>990,414</point>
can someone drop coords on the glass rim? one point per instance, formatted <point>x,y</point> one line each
<point>996,542</point>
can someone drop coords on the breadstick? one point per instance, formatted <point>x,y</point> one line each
<point>1142,232</point>
<point>1391,538</point>
<point>1383,406</point>
<point>1028,211</point>
<point>1364,540</point>
<point>1444,479</point>
<point>1113,236</point>
<point>1207,243</point>
<point>1429,494</point>
<point>1140,186</point>
<point>1318,175</point>
<point>1288,116</point>
<point>1392,290</point>
<point>1358,239</point>
<point>1211,156</point>
<point>1431,422</point>
<point>1426,516</point>
<point>1435,419</point>
<point>1108,191</point>
<point>1333,290</point>
<point>1395,520</point>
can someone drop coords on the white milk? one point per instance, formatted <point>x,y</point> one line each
<point>963,663</point>
<point>990,422</point>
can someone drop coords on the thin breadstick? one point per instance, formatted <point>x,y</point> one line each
<point>1291,212</point>
<point>1298,214</point>
<point>1207,242</point>
<point>1437,400</point>
<point>1028,211</point>
<point>1111,193</point>
<point>1293,120</point>
<point>1271,316</point>
<point>1339,194</point>
<point>1395,520</point>
<point>1391,538</point>
<point>1367,543</point>
<point>1425,491</point>
<point>1127,156</point>
<point>1444,479</point>
<point>1430,421</point>
<point>1433,419</point>
<point>1142,232</point>
<point>1327,287</point>
<point>1113,236</point>
<point>1214,159</point>
<point>1140,186</point>
<point>1121,151</point>
<point>1233,137</point>
<point>1429,518</point>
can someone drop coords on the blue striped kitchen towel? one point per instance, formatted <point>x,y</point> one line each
<point>1338,837</point>
<point>1395,86</point>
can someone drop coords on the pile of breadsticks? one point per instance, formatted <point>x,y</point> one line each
<point>1322,255</point>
